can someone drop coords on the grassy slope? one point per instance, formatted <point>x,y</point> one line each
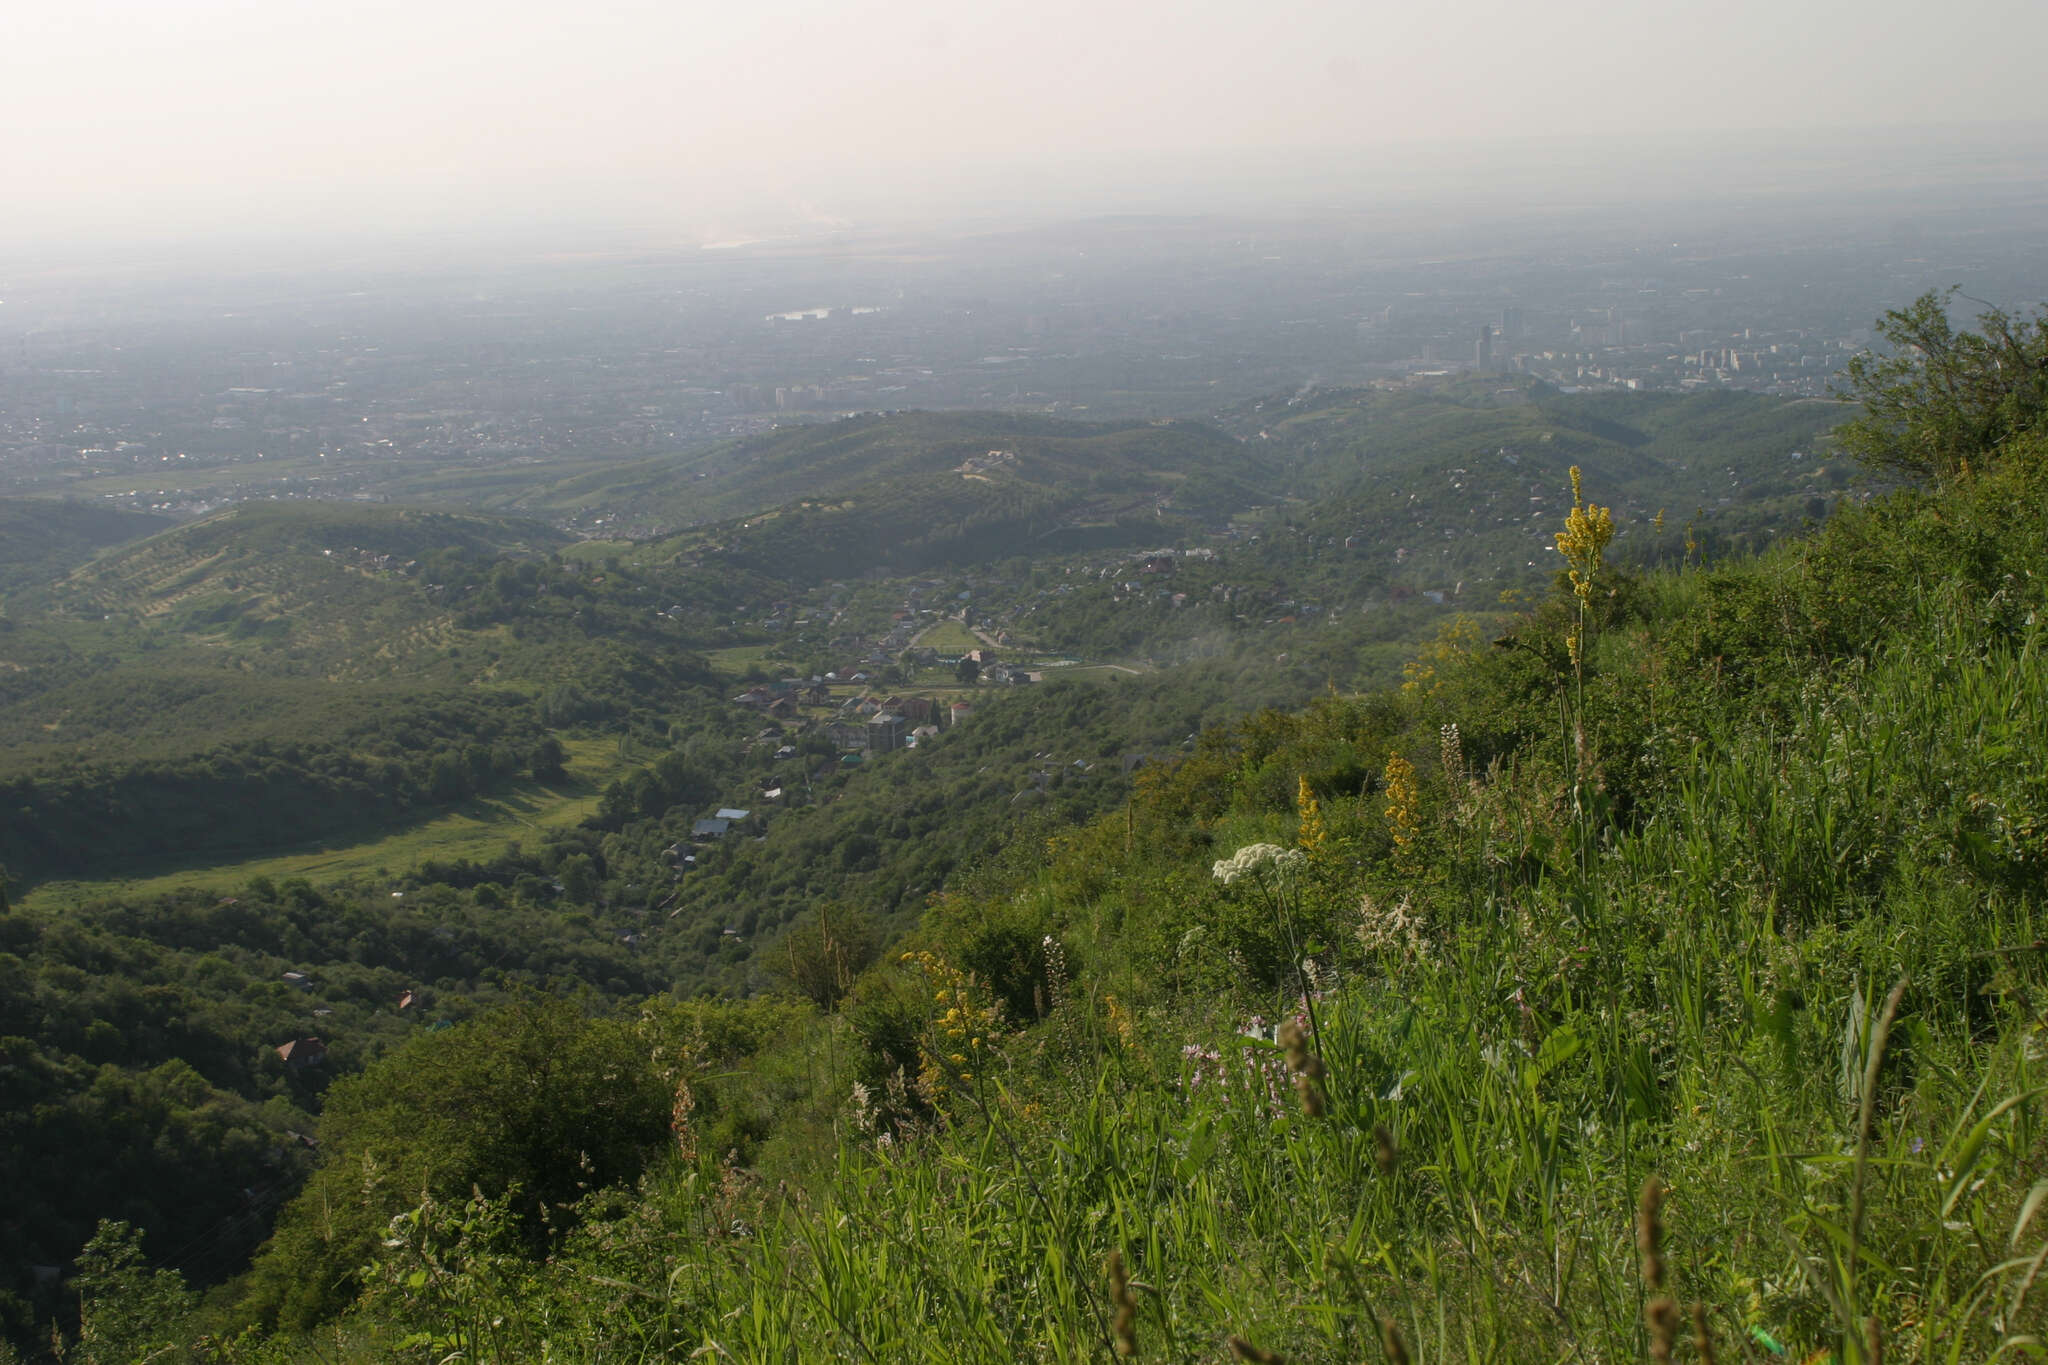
<point>1670,951</point>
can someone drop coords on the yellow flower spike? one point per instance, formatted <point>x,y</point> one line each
<point>1312,833</point>
<point>1588,530</point>
<point>1404,802</point>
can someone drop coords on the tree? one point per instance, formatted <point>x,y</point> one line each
<point>547,758</point>
<point>533,1103</point>
<point>578,875</point>
<point>126,1311</point>
<point>448,777</point>
<point>968,672</point>
<point>1942,400</point>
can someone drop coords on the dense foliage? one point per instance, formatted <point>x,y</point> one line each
<point>1938,399</point>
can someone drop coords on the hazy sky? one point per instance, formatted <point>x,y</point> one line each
<point>142,119</point>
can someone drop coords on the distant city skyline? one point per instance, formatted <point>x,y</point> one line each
<point>136,122</point>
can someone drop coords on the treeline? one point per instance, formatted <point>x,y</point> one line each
<point>265,794</point>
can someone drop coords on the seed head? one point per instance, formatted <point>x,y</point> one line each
<point>1385,1154</point>
<point>1661,1315</point>
<point>1390,1338</point>
<point>1650,1234</point>
<point>1306,1066</point>
<point>1126,1304</point>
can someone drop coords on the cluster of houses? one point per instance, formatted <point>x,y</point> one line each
<point>726,822</point>
<point>864,723</point>
<point>780,700</point>
<point>880,725</point>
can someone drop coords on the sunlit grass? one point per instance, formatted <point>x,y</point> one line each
<point>949,637</point>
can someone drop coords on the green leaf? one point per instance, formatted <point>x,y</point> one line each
<point>1201,1146</point>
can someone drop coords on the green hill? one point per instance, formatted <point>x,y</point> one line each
<point>1469,476</point>
<point>909,492</point>
<point>333,580</point>
<point>832,459</point>
<point>292,673</point>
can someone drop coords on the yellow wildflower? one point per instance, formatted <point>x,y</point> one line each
<point>1404,802</point>
<point>1313,833</point>
<point>1583,542</point>
<point>1120,1021</point>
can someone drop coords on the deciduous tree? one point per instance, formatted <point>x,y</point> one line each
<point>1939,400</point>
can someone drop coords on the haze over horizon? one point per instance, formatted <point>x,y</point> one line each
<point>134,124</point>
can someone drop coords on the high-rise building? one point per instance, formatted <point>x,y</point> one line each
<point>1482,350</point>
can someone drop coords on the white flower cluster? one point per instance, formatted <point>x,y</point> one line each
<point>1253,857</point>
<point>1392,928</point>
